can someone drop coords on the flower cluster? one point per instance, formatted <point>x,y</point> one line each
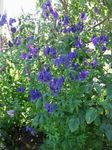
<point>47,9</point>
<point>35,94</point>
<point>82,75</point>
<point>50,51</point>
<point>59,61</point>
<point>103,40</point>
<point>56,84</point>
<point>65,59</point>
<point>33,53</point>
<point>73,28</point>
<point>44,75</point>
<point>49,108</point>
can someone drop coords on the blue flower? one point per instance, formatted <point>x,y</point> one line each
<point>47,51</point>
<point>66,20</point>
<point>59,22</point>
<point>79,26</point>
<point>50,108</point>
<point>51,10</point>
<point>85,62</point>
<point>103,48</point>
<point>33,51</point>
<point>50,51</point>
<point>11,21</point>
<point>104,39</point>
<point>83,16</point>
<point>79,43</point>
<point>13,29</point>
<point>21,89</point>
<point>31,130</point>
<point>35,94</point>
<point>67,61</point>
<point>72,54</point>
<point>55,85</point>
<point>75,65</point>
<point>95,40</point>
<point>30,38</point>
<point>83,74</point>
<point>44,75</point>
<point>24,55</point>
<point>54,13</point>
<point>17,41</point>
<point>59,61</point>
<point>73,28</point>
<point>96,10</point>
<point>3,20</point>
<point>48,3</point>
<point>94,63</point>
<point>69,57</point>
<point>65,30</point>
<point>45,11</point>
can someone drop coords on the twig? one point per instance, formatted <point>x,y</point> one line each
<point>98,24</point>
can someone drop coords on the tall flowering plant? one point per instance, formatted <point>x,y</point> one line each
<point>55,80</point>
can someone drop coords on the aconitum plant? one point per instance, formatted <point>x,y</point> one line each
<point>48,84</point>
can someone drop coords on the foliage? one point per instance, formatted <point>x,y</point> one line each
<point>53,75</point>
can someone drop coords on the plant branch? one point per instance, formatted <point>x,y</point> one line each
<point>98,24</point>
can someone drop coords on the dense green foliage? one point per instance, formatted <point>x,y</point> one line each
<point>54,75</point>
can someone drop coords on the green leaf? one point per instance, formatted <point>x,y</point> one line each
<point>35,121</point>
<point>88,88</point>
<point>42,119</point>
<point>91,115</point>
<point>73,124</point>
<point>108,130</point>
<point>109,90</point>
<point>97,88</point>
<point>82,2</point>
<point>41,2</point>
<point>38,104</point>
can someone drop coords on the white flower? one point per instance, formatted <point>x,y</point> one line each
<point>11,113</point>
<point>95,79</point>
